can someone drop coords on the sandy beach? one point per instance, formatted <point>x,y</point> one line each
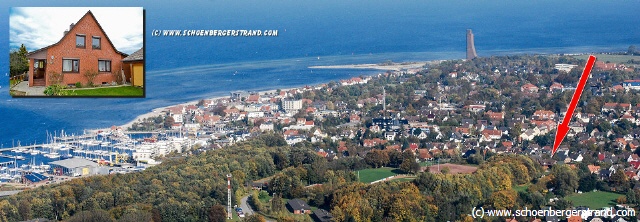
<point>159,111</point>
<point>393,66</point>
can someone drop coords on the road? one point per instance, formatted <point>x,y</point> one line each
<point>245,206</point>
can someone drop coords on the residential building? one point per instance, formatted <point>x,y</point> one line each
<point>291,105</point>
<point>85,47</point>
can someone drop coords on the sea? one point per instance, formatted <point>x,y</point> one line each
<point>332,32</point>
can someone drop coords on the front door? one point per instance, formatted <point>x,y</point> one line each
<point>39,67</point>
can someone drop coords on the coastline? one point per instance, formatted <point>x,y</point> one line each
<point>159,111</point>
<point>382,67</point>
<point>390,67</point>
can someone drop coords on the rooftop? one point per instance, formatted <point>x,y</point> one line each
<point>74,163</point>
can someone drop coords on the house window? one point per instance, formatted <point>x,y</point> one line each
<point>104,66</point>
<point>95,42</point>
<point>80,41</point>
<point>70,65</point>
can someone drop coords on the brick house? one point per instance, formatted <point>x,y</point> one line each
<point>297,206</point>
<point>84,47</point>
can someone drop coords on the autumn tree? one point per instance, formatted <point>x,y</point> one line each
<point>255,218</point>
<point>377,158</point>
<point>217,213</point>
<point>409,165</point>
<point>619,181</point>
<point>504,199</point>
<point>565,180</point>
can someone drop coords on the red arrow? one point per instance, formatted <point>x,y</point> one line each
<point>563,128</point>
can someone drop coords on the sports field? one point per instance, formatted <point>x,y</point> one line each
<point>370,175</point>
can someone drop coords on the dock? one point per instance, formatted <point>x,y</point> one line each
<point>7,163</point>
<point>11,157</point>
<point>21,147</point>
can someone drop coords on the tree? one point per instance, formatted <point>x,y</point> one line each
<point>504,199</point>
<point>137,216</point>
<point>168,122</point>
<point>565,180</point>
<point>631,196</point>
<point>619,181</point>
<point>377,158</point>
<point>217,213</point>
<point>445,170</point>
<point>277,204</point>
<point>588,183</point>
<point>18,61</point>
<point>255,218</point>
<point>409,166</point>
<point>96,215</point>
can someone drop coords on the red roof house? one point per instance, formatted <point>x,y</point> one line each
<point>84,48</point>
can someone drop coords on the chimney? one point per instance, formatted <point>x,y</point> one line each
<point>67,31</point>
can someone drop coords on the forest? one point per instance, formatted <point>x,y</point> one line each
<point>193,188</point>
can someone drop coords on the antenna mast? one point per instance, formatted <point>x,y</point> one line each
<point>229,214</point>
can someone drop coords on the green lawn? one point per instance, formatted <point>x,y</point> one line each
<point>611,58</point>
<point>594,200</point>
<point>14,82</point>
<point>370,175</point>
<point>521,188</point>
<point>108,91</point>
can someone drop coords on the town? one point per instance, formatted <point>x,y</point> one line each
<point>446,137</point>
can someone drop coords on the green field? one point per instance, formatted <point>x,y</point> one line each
<point>594,200</point>
<point>108,91</point>
<point>611,58</point>
<point>370,175</point>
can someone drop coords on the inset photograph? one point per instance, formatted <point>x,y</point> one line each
<point>76,52</point>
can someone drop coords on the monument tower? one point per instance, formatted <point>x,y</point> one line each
<point>471,49</point>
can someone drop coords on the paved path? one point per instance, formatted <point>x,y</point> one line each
<point>246,208</point>
<point>30,91</point>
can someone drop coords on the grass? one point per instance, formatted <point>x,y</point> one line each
<point>427,163</point>
<point>108,91</point>
<point>14,82</point>
<point>370,175</point>
<point>521,188</point>
<point>406,179</point>
<point>594,200</point>
<point>611,58</point>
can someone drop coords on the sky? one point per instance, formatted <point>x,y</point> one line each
<point>38,27</point>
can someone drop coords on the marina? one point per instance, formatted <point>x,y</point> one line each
<point>110,149</point>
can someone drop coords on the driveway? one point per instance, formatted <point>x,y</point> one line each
<point>29,91</point>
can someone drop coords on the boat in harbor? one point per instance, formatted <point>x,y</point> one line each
<point>34,152</point>
<point>52,155</point>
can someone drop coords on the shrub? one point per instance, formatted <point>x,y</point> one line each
<point>78,85</point>
<point>55,90</point>
<point>56,78</point>
<point>91,75</point>
<point>118,76</point>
